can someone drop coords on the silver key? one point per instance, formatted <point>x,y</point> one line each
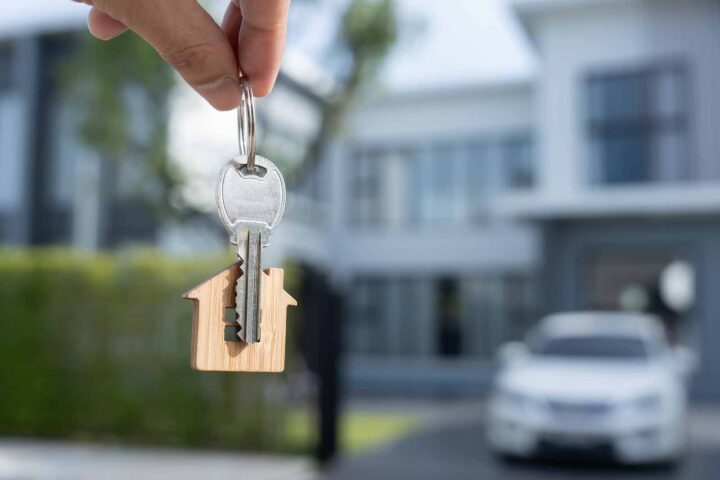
<point>250,204</point>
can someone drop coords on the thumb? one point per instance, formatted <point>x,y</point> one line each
<point>187,37</point>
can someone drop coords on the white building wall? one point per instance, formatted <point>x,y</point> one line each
<point>495,248</point>
<point>607,36</point>
<point>12,148</point>
<point>443,114</point>
<point>427,118</point>
<point>16,107</point>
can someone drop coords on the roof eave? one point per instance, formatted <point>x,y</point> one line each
<point>527,10</point>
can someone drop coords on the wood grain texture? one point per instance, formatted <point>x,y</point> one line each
<point>209,350</point>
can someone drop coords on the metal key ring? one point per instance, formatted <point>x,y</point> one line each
<point>246,123</point>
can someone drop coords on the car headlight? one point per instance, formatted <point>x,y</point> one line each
<point>647,402</point>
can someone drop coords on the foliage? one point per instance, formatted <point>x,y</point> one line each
<point>117,86</point>
<point>367,31</point>
<point>97,347</point>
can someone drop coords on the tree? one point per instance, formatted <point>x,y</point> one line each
<point>101,79</point>
<point>366,33</point>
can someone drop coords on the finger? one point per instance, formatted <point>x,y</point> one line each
<point>261,41</point>
<point>103,26</point>
<point>188,39</point>
<point>231,25</point>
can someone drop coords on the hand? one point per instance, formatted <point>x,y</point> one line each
<point>209,57</point>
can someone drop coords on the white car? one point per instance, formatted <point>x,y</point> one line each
<point>596,383</point>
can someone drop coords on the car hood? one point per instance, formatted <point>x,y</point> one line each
<point>585,380</point>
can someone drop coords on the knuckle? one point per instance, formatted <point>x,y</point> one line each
<point>127,11</point>
<point>193,57</point>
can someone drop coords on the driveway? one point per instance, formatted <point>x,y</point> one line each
<point>453,447</point>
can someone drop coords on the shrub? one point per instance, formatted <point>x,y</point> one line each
<point>97,347</point>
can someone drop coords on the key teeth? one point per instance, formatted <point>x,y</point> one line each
<point>247,293</point>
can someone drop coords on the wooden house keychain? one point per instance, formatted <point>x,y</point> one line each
<point>251,199</point>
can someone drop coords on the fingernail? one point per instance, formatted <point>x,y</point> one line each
<point>223,94</point>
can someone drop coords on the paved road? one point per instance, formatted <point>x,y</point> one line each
<point>455,449</point>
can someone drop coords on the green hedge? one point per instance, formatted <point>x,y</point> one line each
<point>97,347</point>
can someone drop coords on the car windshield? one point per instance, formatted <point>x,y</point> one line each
<point>591,346</point>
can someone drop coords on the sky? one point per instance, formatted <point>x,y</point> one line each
<point>442,42</point>
<point>457,42</point>
<point>20,17</point>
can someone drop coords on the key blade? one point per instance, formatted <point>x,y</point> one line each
<point>242,236</point>
<point>252,292</point>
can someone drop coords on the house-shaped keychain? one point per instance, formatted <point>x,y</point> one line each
<point>212,298</point>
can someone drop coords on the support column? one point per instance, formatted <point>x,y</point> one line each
<point>28,78</point>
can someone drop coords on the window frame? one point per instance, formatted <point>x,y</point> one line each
<point>520,141</point>
<point>427,197</point>
<point>364,177</point>
<point>7,77</point>
<point>651,125</point>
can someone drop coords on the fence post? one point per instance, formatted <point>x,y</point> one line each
<point>320,339</point>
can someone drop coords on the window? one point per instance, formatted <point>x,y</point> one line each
<point>415,168</point>
<point>431,184</point>
<point>423,316</point>
<point>517,163</point>
<point>520,305</point>
<point>6,70</point>
<point>367,315</point>
<point>495,309</point>
<point>442,198</point>
<point>597,347</point>
<point>365,188</point>
<point>637,125</point>
<point>477,182</point>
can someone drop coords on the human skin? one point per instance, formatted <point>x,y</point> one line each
<point>210,57</point>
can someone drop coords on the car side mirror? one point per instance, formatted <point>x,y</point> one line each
<point>684,360</point>
<point>511,352</point>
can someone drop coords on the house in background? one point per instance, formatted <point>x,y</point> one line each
<point>627,119</point>
<point>46,172</point>
<point>459,215</point>
<point>450,216</point>
<point>53,189</point>
<point>435,281</point>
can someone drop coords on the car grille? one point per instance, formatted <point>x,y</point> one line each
<point>597,450</point>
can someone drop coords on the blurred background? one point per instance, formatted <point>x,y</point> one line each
<point>457,171</point>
